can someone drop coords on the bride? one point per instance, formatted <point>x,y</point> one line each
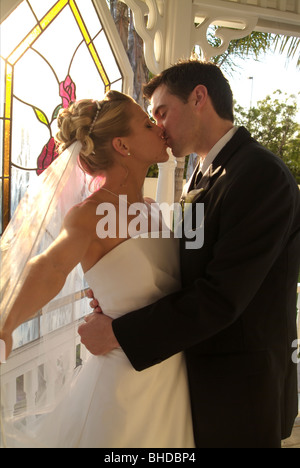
<point>109,404</point>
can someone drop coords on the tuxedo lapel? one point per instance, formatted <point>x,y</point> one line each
<point>191,182</point>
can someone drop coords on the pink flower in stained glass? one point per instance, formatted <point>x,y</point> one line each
<point>67,91</point>
<point>47,156</point>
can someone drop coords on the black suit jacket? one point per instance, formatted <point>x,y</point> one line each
<point>235,316</point>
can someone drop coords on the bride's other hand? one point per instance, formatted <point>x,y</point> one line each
<point>94,304</point>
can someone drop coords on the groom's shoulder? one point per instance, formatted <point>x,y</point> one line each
<point>254,171</point>
<point>253,160</point>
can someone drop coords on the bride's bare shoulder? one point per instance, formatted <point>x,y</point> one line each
<point>82,215</point>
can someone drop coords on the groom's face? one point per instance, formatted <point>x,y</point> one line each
<point>176,118</point>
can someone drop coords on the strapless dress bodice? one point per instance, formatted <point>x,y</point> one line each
<point>137,272</point>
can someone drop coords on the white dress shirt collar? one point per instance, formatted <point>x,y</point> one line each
<point>216,149</point>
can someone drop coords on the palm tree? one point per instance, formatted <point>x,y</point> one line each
<point>119,13</point>
<point>253,46</point>
<point>133,45</point>
<point>289,44</point>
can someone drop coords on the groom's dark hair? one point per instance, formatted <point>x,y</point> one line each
<point>182,78</point>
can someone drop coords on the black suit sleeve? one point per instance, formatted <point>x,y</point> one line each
<point>254,221</point>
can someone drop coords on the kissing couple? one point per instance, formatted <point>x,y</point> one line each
<point>188,347</point>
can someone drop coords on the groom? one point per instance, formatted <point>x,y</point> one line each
<point>235,316</point>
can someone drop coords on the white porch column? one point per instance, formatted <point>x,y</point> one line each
<point>166,183</point>
<point>177,33</point>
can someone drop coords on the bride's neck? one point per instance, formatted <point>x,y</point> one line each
<point>123,181</point>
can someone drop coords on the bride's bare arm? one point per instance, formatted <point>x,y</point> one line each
<point>47,272</point>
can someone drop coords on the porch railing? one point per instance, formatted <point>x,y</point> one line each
<point>29,366</point>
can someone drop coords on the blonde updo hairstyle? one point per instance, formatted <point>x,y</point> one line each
<point>75,124</point>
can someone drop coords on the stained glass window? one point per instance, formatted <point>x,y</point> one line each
<point>52,52</point>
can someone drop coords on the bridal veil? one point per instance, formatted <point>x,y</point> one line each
<point>39,371</point>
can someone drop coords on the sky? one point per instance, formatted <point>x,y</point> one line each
<point>270,73</point>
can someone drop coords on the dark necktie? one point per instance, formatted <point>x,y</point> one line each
<point>198,178</point>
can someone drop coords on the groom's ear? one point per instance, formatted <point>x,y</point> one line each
<point>119,144</point>
<point>200,95</point>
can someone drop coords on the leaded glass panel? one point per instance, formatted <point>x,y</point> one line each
<point>13,30</point>
<point>89,17</point>
<point>41,7</point>
<point>52,52</point>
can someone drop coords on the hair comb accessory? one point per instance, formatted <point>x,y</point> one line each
<point>96,117</point>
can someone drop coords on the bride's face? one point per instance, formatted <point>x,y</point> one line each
<point>146,141</point>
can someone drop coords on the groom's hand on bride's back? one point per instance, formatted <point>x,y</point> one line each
<point>97,333</point>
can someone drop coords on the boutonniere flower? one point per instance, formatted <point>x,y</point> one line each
<point>187,200</point>
<point>183,210</point>
<point>190,197</point>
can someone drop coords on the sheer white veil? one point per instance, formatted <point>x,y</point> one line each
<point>42,364</point>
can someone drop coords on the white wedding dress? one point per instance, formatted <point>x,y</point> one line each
<point>110,404</point>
